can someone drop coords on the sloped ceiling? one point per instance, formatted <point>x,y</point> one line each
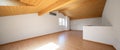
<point>84,9</point>
<point>33,6</point>
<point>75,9</point>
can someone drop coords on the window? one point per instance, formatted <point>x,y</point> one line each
<point>62,22</point>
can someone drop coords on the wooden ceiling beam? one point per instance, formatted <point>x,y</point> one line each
<point>58,4</point>
<point>15,10</point>
<point>75,9</point>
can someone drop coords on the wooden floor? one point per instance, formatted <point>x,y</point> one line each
<point>68,40</point>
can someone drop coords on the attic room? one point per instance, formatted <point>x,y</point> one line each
<point>59,25</point>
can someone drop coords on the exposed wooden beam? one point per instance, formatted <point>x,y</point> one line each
<point>58,4</point>
<point>75,9</point>
<point>15,10</point>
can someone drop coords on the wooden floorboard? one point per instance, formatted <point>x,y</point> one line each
<point>67,40</point>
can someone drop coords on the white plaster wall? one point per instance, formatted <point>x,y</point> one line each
<point>102,34</point>
<point>112,14</point>
<point>10,3</point>
<point>19,27</point>
<point>79,23</point>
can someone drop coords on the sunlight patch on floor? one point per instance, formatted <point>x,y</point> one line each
<point>49,46</point>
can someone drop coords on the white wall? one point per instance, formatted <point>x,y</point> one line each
<point>102,34</point>
<point>19,27</point>
<point>112,15</point>
<point>78,24</point>
<point>10,3</point>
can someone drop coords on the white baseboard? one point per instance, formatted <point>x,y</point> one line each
<point>116,44</point>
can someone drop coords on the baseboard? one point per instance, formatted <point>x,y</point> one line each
<point>33,37</point>
<point>116,44</point>
<point>98,42</point>
<point>76,30</point>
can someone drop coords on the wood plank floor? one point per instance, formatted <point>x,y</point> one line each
<point>67,40</point>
